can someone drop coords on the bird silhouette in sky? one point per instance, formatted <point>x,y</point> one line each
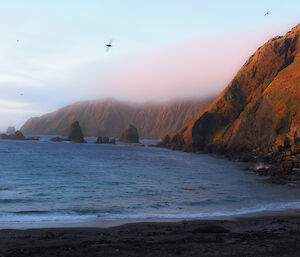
<point>267,13</point>
<point>109,45</point>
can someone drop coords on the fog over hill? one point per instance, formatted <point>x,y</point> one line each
<point>109,117</point>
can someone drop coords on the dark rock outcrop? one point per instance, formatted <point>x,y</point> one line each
<point>18,135</point>
<point>105,140</point>
<point>166,140</point>
<point>4,136</point>
<point>75,133</point>
<point>58,139</point>
<point>99,140</point>
<point>130,135</point>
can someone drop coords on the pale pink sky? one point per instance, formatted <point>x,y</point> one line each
<point>198,67</point>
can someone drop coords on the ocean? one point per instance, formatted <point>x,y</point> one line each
<point>43,182</point>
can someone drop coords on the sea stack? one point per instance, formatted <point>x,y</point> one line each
<point>10,130</point>
<point>130,135</point>
<point>75,134</point>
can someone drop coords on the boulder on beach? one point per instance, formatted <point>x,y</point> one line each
<point>130,135</point>
<point>10,130</point>
<point>75,133</point>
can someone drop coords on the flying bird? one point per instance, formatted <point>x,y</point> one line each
<point>109,45</point>
<point>267,13</point>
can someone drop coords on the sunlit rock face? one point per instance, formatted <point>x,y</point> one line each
<point>260,107</point>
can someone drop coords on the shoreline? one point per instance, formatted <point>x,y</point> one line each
<point>269,234</point>
<point>114,222</point>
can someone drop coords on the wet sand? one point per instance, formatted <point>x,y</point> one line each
<point>268,235</point>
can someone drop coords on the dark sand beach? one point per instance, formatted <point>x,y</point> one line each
<point>265,235</point>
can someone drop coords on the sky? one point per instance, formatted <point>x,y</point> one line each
<point>52,53</point>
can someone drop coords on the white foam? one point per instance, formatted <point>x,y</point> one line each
<point>268,207</point>
<point>43,218</point>
<point>15,218</point>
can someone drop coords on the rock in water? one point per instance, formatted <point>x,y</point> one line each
<point>99,140</point>
<point>105,140</point>
<point>10,130</point>
<point>18,136</point>
<point>75,134</point>
<point>4,136</point>
<point>112,141</point>
<point>130,135</point>
<point>166,140</point>
<point>58,139</point>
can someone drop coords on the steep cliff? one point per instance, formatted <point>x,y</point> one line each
<point>259,109</point>
<point>109,117</point>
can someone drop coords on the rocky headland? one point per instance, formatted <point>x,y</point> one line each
<point>257,116</point>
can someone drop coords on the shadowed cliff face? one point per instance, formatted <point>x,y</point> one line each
<point>110,117</point>
<point>258,109</point>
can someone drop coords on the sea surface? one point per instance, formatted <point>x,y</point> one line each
<point>45,182</point>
